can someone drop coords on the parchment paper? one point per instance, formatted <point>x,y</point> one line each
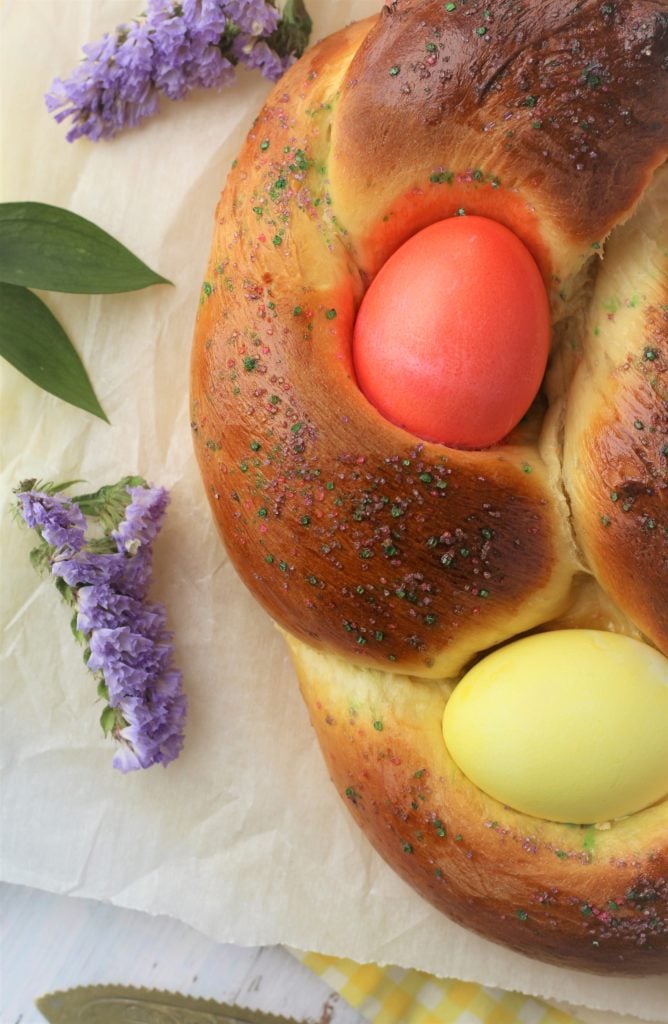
<point>243,837</point>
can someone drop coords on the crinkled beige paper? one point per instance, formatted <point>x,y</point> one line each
<point>243,837</point>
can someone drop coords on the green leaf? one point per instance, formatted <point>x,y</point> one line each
<point>55,250</point>
<point>293,30</point>
<point>32,340</point>
<point>108,720</point>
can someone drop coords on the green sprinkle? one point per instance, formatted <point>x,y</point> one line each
<point>589,840</point>
<point>258,210</point>
<point>406,847</point>
<point>361,641</point>
<point>529,101</point>
<point>605,520</point>
<point>650,354</point>
<point>586,910</point>
<point>419,773</point>
<point>429,620</point>
<point>561,854</point>
<point>612,905</point>
<point>458,837</point>
<point>614,496</point>
<point>378,725</point>
<point>277,240</point>
<point>481,30</point>
<point>442,177</point>
<point>296,427</point>
<point>596,245</point>
<point>638,424</point>
<point>430,47</point>
<point>396,512</point>
<point>537,125</point>
<point>297,311</point>
<point>207,288</point>
<point>305,521</point>
<point>331,314</point>
<point>438,872</point>
<point>366,553</point>
<point>478,175</point>
<point>394,70</point>
<point>269,559</point>
<point>526,468</point>
<point>450,8</point>
<point>379,635</point>
<point>250,362</point>
<point>274,399</point>
<point>243,466</point>
<point>264,144</point>
<point>522,914</point>
<point>426,478</point>
<point>283,566</point>
<point>483,593</point>
<point>301,160</point>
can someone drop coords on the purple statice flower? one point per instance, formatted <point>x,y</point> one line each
<point>253,16</point>
<point>130,576</point>
<point>106,580</point>
<point>258,55</point>
<point>154,730</point>
<point>143,518</point>
<point>171,49</point>
<point>60,522</point>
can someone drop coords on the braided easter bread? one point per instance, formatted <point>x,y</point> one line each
<point>393,563</point>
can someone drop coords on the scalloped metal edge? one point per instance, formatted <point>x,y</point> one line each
<point>118,1004</point>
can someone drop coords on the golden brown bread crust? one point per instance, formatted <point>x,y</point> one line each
<point>585,897</point>
<point>564,104</point>
<point>353,534</point>
<point>392,553</point>
<point>616,453</point>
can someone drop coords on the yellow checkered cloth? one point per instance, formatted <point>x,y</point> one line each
<point>394,995</point>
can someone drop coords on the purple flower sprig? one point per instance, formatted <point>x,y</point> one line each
<point>105,578</point>
<point>175,46</point>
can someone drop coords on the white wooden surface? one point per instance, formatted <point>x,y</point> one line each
<point>54,942</point>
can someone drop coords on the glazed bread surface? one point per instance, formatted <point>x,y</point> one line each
<point>392,563</point>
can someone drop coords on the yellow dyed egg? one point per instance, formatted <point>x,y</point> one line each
<point>570,725</point>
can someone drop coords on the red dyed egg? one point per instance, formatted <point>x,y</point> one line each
<point>452,337</point>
